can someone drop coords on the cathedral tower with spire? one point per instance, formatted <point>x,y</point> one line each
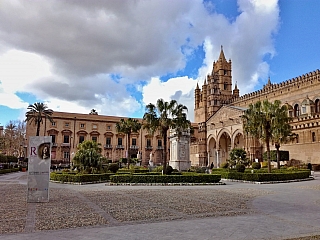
<point>216,90</point>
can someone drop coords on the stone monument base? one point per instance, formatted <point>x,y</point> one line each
<point>180,165</point>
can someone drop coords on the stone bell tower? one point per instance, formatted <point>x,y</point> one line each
<point>216,91</point>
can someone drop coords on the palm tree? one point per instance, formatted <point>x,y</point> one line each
<point>88,155</point>
<point>263,121</point>
<point>281,132</point>
<point>163,116</point>
<point>127,127</point>
<point>10,134</point>
<point>35,114</point>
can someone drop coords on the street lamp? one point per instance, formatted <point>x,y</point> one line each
<point>70,151</point>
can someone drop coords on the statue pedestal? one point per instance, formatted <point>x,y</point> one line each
<point>180,150</point>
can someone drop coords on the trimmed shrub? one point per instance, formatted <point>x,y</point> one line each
<point>190,178</point>
<point>240,168</point>
<point>113,167</point>
<point>169,170</point>
<point>3,158</point>
<point>266,177</point>
<point>84,178</point>
<point>12,159</point>
<point>256,165</point>
<point>9,170</point>
<point>132,170</point>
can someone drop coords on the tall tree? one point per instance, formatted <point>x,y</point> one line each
<point>36,113</point>
<point>88,155</point>
<point>281,131</point>
<point>128,127</point>
<point>163,116</point>
<point>10,135</point>
<point>263,120</point>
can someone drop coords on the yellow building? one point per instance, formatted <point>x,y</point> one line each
<point>70,129</point>
<point>218,111</point>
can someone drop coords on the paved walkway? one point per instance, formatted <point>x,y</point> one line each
<point>289,210</point>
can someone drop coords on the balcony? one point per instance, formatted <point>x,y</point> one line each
<point>119,147</point>
<point>134,147</point>
<point>108,146</point>
<point>149,147</point>
<point>65,144</point>
<point>159,148</point>
<point>54,145</point>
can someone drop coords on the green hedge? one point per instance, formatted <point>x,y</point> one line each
<point>133,170</point>
<point>198,178</point>
<point>266,177</point>
<point>70,177</point>
<point>9,170</point>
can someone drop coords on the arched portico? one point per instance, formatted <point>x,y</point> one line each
<point>212,149</point>
<point>223,148</point>
<point>238,140</point>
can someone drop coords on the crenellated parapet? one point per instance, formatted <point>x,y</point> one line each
<point>270,90</point>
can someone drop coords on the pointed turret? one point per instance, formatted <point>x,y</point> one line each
<point>197,96</point>
<point>222,57</point>
<point>269,81</point>
<point>236,91</point>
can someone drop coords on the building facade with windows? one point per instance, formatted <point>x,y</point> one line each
<point>218,110</point>
<point>217,123</point>
<point>70,129</point>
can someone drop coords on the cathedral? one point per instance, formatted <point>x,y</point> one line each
<point>218,109</point>
<point>217,124</point>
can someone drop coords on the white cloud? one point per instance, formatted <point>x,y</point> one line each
<point>67,52</point>
<point>245,41</point>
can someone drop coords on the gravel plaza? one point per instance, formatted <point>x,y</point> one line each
<point>98,211</point>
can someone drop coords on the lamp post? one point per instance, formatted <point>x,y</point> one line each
<point>70,152</point>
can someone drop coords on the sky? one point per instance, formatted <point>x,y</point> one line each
<point>118,56</point>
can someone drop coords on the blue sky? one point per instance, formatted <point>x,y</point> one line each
<point>118,56</point>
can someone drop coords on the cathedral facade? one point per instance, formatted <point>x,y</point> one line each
<point>218,110</point>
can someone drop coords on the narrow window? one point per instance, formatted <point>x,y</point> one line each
<point>296,110</point>
<point>317,106</point>
<point>66,155</point>
<point>65,138</point>
<point>81,139</point>
<point>53,138</point>
<point>313,136</point>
